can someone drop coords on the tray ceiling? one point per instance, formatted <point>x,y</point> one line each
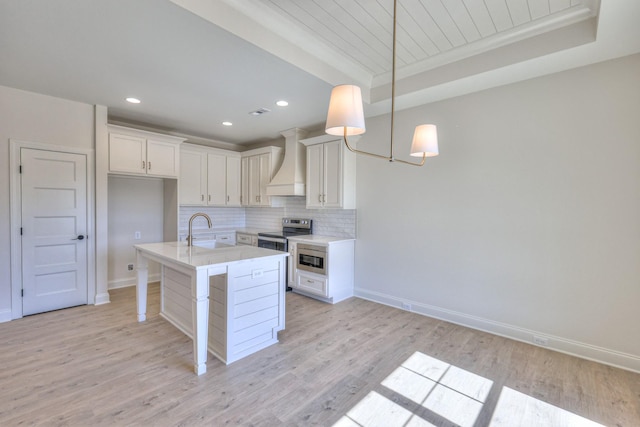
<point>197,63</point>
<point>355,37</point>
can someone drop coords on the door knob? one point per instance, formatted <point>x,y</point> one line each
<point>80,237</point>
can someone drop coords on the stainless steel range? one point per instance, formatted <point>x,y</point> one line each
<point>278,241</point>
<point>290,227</point>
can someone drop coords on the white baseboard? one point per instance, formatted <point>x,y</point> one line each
<point>5,315</point>
<point>102,298</point>
<point>130,281</point>
<point>586,351</point>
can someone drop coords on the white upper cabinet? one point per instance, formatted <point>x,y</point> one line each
<point>233,181</point>
<point>193,176</point>
<point>331,173</point>
<point>216,179</point>
<point>315,175</point>
<point>244,181</point>
<point>209,176</point>
<point>258,168</point>
<point>136,152</point>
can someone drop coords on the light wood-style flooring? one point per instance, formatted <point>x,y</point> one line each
<point>95,366</point>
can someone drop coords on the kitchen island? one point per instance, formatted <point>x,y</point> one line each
<point>243,285</point>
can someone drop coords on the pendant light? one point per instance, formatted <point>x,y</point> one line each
<point>346,117</point>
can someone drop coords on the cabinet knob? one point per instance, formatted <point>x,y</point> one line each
<point>228,198</point>
<point>209,197</point>
<point>149,164</point>
<point>202,197</point>
<point>144,166</point>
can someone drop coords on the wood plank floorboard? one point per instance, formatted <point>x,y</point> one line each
<point>97,366</point>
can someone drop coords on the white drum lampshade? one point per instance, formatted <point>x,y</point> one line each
<point>425,141</point>
<point>345,111</point>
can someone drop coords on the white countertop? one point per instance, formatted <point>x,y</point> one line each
<point>201,257</point>
<point>314,238</point>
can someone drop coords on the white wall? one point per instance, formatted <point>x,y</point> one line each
<point>529,220</point>
<point>38,118</point>
<point>135,204</point>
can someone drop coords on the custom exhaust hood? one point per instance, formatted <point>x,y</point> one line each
<point>290,179</point>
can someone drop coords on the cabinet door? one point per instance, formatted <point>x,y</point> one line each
<point>233,181</point>
<point>193,178</point>
<point>315,175</point>
<point>265,178</point>
<point>254,181</point>
<point>127,154</point>
<point>244,181</point>
<point>216,179</point>
<point>332,181</point>
<point>163,158</point>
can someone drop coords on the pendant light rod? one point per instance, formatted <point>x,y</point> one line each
<point>393,75</point>
<point>346,116</point>
<point>380,156</point>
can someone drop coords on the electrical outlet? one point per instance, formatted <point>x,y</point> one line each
<point>406,306</point>
<point>137,235</point>
<point>540,340</point>
<point>130,267</point>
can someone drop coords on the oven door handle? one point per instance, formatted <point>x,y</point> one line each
<point>271,239</point>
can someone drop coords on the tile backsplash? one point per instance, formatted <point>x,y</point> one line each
<point>326,222</point>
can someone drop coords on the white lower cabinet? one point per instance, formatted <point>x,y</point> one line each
<point>291,264</point>
<point>226,238</point>
<point>313,283</point>
<point>332,287</point>
<point>246,239</point>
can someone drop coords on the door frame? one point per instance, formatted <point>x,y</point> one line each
<point>15,202</point>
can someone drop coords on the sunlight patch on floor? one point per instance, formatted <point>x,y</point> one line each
<point>518,409</point>
<point>378,411</point>
<point>452,394</point>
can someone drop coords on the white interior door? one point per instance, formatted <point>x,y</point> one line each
<point>54,226</point>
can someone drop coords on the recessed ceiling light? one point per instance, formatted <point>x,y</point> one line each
<point>227,123</point>
<point>133,100</point>
<point>282,103</point>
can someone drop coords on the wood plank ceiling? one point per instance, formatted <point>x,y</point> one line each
<point>362,29</point>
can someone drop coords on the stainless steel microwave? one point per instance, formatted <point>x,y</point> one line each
<point>312,258</point>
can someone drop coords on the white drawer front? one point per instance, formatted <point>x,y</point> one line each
<point>312,284</point>
<point>243,239</point>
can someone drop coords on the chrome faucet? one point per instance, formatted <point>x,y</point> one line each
<point>190,236</point>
